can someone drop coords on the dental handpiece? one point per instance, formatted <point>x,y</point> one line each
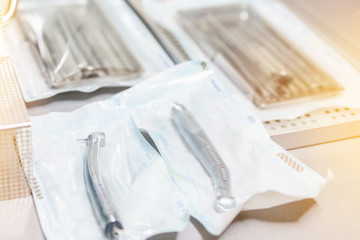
<point>102,206</point>
<point>205,152</point>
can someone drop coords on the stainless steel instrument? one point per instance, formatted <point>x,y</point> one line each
<point>254,56</point>
<point>76,44</point>
<point>103,208</point>
<point>196,139</point>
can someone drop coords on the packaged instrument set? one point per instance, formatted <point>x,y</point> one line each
<point>76,44</point>
<point>261,49</point>
<point>184,143</point>
<point>130,167</point>
<point>259,46</point>
<point>62,46</point>
<point>257,59</point>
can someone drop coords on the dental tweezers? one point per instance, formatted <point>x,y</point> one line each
<point>196,139</point>
<point>103,208</point>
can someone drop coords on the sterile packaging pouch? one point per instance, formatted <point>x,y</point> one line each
<point>146,198</point>
<point>244,39</point>
<point>61,46</point>
<point>261,173</point>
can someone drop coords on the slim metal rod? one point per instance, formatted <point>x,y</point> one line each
<point>238,64</point>
<point>256,43</point>
<point>76,53</point>
<point>235,66</point>
<point>253,49</point>
<point>219,57</point>
<point>279,46</point>
<point>117,43</point>
<point>57,71</point>
<point>260,81</point>
<point>75,29</point>
<point>60,51</point>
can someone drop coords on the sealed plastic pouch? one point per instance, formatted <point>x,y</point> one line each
<point>135,182</point>
<point>262,50</point>
<point>62,46</point>
<point>228,158</point>
<point>255,57</point>
<point>244,167</point>
<point>77,44</point>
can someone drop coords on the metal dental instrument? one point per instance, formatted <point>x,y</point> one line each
<point>163,36</point>
<point>149,139</point>
<point>205,152</point>
<point>259,60</point>
<point>102,206</point>
<point>77,45</point>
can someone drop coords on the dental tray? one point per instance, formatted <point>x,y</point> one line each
<point>254,56</point>
<point>77,45</point>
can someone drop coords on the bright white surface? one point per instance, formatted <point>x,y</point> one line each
<point>18,220</point>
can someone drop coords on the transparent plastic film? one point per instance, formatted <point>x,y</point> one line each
<point>105,182</point>
<point>144,171</point>
<point>228,160</point>
<point>214,140</point>
<point>254,56</point>
<point>76,44</point>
